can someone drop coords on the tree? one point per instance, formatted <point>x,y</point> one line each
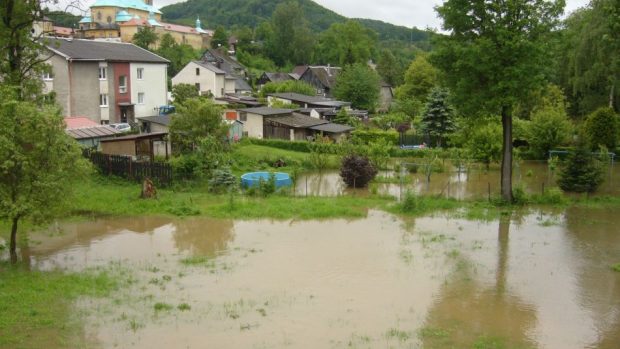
<point>220,38</point>
<point>389,68</point>
<point>37,161</point>
<point>178,55</point>
<point>581,172</point>
<point>549,126</point>
<point>344,118</point>
<point>346,43</point>
<point>289,39</point>
<point>485,143</point>
<point>420,78</point>
<point>495,53</point>
<point>602,128</point>
<point>296,86</point>
<point>184,92</point>
<point>437,118</point>
<point>359,85</point>
<point>356,171</point>
<point>145,37</point>
<point>196,119</point>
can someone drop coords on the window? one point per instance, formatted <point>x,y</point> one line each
<point>140,97</point>
<point>103,100</point>
<point>197,87</point>
<point>197,71</point>
<point>99,16</point>
<point>109,19</point>
<point>47,76</point>
<point>103,73</point>
<point>122,84</point>
<point>140,73</point>
<point>243,116</point>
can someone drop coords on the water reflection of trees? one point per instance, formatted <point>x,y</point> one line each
<point>468,310</point>
<point>204,237</point>
<point>595,238</point>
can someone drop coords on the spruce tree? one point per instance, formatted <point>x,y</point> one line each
<point>581,172</point>
<point>438,117</point>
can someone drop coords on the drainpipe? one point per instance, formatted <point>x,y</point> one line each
<point>70,104</point>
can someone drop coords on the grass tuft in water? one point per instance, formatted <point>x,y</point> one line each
<point>160,306</point>
<point>184,307</point>
<point>616,267</point>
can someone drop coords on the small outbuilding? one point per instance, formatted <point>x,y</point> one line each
<point>142,147</point>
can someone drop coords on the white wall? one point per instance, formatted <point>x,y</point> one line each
<point>253,125</point>
<point>208,80</point>
<point>153,84</point>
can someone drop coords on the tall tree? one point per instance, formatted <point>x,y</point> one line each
<point>358,84</point>
<point>437,118</point>
<point>289,37</point>
<point>420,78</point>
<point>37,161</point>
<point>145,37</point>
<point>389,68</point>
<point>178,55</point>
<point>495,52</point>
<point>220,38</point>
<point>346,43</point>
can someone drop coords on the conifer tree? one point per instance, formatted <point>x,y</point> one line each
<point>438,117</point>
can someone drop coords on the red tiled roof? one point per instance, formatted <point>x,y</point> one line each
<point>179,28</point>
<point>62,30</point>
<point>135,21</point>
<point>79,122</point>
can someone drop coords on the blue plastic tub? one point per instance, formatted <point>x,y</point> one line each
<point>252,179</point>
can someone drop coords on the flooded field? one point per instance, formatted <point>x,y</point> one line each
<point>534,279</point>
<point>475,183</point>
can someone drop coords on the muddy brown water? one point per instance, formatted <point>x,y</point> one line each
<point>530,280</point>
<point>533,176</point>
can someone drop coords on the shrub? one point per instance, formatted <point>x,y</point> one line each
<point>581,172</point>
<point>357,171</point>
<point>549,128</point>
<point>222,181</point>
<point>602,128</point>
<point>485,144</point>
<point>370,136</point>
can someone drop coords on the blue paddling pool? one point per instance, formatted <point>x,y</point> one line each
<point>252,179</point>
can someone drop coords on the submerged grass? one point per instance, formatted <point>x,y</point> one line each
<point>36,308</point>
<point>616,267</point>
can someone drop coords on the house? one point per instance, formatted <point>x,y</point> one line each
<point>221,60</point>
<point>105,81</point>
<point>141,147</point>
<point>323,78</point>
<point>298,71</point>
<point>294,127</point>
<point>207,78</point>
<point>121,19</point>
<point>87,132</point>
<point>386,96</point>
<point>273,77</point>
<point>154,124</point>
<point>253,119</point>
<point>304,101</point>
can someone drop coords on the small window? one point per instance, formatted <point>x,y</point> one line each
<point>197,87</point>
<point>122,84</point>
<point>103,73</point>
<point>243,116</point>
<point>140,97</point>
<point>140,73</point>
<point>197,71</point>
<point>99,16</point>
<point>109,19</point>
<point>47,76</point>
<point>103,100</point>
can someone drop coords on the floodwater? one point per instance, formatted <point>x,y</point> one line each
<point>534,176</point>
<point>532,279</point>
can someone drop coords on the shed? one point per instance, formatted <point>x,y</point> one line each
<point>142,146</point>
<point>333,131</point>
<point>291,127</point>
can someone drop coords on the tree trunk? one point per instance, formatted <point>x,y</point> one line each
<point>506,179</point>
<point>13,246</point>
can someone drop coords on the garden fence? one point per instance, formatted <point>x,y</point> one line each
<point>126,167</point>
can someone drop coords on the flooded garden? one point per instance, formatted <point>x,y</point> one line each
<point>532,278</point>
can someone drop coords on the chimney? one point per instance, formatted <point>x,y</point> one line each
<point>329,69</point>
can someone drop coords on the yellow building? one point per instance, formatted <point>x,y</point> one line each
<point>121,19</point>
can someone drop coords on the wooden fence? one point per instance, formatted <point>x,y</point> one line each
<point>125,167</point>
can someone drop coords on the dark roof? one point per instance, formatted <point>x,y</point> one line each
<point>314,100</point>
<point>135,137</point>
<point>157,119</point>
<point>277,77</point>
<point>332,128</point>
<point>266,111</point>
<point>210,67</point>
<point>299,70</point>
<point>92,132</point>
<point>325,74</point>
<point>297,120</point>
<point>242,85</point>
<point>91,50</point>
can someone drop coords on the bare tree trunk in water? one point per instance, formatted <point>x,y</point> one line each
<point>506,180</point>
<point>13,247</point>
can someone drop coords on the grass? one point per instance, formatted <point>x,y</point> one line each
<point>616,267</point>
<point>36,308</point>
<point>251,157</point>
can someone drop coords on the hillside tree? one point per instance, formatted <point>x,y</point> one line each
<point>220,38</point>
<point>145,37</point>
<point>496,51</point>
<point>288,36</point>
<point>345,43</point>
<point>358,84</point>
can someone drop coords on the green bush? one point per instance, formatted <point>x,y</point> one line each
<point>373,136</point>
<point>580,172</point>
<point>222,181</point>
<point>602,128</point>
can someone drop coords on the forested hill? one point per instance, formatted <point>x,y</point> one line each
<point>231,13</point>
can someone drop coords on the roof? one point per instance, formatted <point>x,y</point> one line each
<point>299,70</point>
<point>210,67</point>
<point>266,111</point>
<point>314,100</point>
<point>98,131</point>
<point>242,85</point>
<point>297,120</point>
<point>62,31</point>
<point>91,50</point>
<point>135,137</point>
<point>123,16</point>
<point>277,77</point>
<point>134,4</point>
<point>325,74</point>
<point>79,122</point>
<point>157,119</point>
<point>332,128</point>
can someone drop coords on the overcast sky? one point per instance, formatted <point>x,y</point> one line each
<point>409,13</point>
